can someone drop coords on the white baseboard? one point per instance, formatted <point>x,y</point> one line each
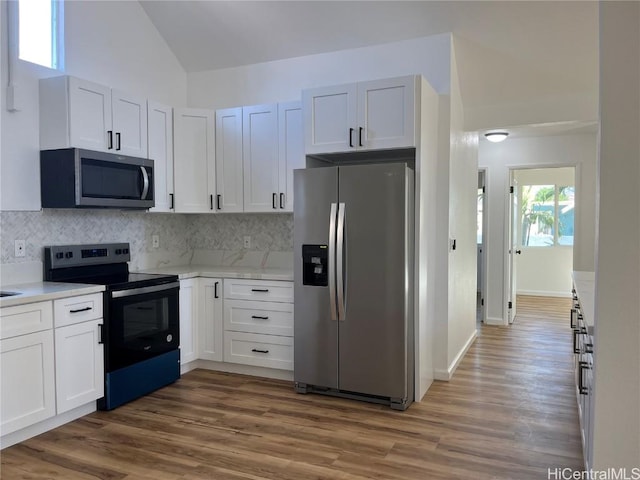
<point>494,321</point>
<point>446,375</point>
<point>238,368</point>
<point>46,425</point>
<point>542,293</point>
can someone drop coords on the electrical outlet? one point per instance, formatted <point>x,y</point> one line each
<point>20,247</point>
<point>155,241</point>
<point>247,241</point>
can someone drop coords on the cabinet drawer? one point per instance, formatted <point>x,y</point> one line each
<point>269,318</point>
<point>268,351</point>
<point>23,319</point>
<point>261,290</point>
<point>68,311</point>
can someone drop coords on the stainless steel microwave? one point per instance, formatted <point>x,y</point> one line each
<point>77,178</point>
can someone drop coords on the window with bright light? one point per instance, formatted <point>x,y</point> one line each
<point>40,27</point>
<point>547,215</point>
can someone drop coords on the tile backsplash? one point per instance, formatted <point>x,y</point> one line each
<point>180,234</point>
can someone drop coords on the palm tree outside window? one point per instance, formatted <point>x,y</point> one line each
<point>547,215</point>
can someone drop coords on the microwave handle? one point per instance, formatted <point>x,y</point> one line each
<point>145,183</point>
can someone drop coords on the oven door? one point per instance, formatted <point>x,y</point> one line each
<point>142,323</point>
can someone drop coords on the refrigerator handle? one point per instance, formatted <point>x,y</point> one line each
<point>340,272</point>
<point>332,261</point>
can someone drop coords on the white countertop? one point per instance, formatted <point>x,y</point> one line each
<point>42,291</point>
<point>254,273</point>
<point>585,283</point>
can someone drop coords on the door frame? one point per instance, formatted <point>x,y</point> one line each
<point>485,241</point>
<point>507,221</point>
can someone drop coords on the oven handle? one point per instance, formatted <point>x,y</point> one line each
<point>143,290</point>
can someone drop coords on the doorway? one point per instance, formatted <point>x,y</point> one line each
<point>540,234</point>
<point>481,238</point>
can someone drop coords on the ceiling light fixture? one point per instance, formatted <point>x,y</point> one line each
<point>496,137</point>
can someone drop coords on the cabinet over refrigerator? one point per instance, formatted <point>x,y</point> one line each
<point>353,310</point>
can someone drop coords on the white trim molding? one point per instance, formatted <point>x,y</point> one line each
<point>447,374</point>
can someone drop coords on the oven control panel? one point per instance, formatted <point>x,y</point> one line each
<point>63,256</point>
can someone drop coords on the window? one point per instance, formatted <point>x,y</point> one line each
<point>547,215</point>
<point>40,32</point>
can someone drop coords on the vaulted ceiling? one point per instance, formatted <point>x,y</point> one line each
<point>508,52</point>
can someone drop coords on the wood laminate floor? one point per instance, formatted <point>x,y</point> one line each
<point>508,413</point>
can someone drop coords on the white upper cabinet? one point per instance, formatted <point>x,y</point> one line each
<point>160,148</point>
<point>329,118</point>
<point>83,114</point>
<point>371,115</point>
<point>229,177</point>
<point>290,151</point>
<point>129,115</point>
<point>194,154</point>
<point>260,158</point>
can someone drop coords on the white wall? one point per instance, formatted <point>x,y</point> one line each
<point>462,262</point>
<point>562,150</point>
<point>617,303</point>
<point>112,43</point>
<point>284,79</point>
<point>544,270</point>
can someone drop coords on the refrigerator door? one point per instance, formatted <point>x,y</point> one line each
<point>373,329</point>
<point>315,332</point>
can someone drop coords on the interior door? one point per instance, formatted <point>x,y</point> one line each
<point>514,216</point>
<point>315,326</point>
<point>373,320</point>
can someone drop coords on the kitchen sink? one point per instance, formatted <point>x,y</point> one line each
<point>8,294</point>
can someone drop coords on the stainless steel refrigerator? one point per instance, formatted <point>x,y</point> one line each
<point>353,298</point>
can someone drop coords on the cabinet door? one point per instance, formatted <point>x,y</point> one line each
<point>229,187</point>
<point>90,115</point>
<point>188,320</point>
<point>194,168</point>
<point>260,158</point>
<point>290,151</point>
<point>329,115</point>
<point>79,364</point>
<point>27,380</point>
<point>129,124</point>
<point>160,150</point>
<point>210,323</point>
<point>386,114</point>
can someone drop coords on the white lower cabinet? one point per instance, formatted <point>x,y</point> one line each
<point>79,350</point>
<point>51,362</point>
<point>188,320</point>
<point>79,364</point>
<point>27,380</point>
<point>258,323</point>
<point>237,321</point>
<point>210,329</point>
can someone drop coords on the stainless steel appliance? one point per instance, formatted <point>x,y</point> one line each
<point>77,178</point>
<point>141,329</point>
<point>353,310</point>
